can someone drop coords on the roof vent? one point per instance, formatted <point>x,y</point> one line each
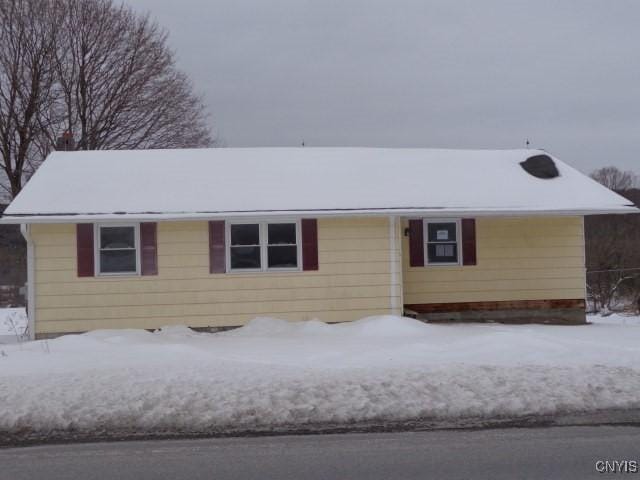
<point>540,166</point>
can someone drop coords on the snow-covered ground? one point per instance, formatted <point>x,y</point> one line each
<point>13,324</point>
<point>273,373</point>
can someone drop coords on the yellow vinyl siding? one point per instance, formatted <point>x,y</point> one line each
<point>533,258</point>
<point>353,281</point>
<point>518,259</point>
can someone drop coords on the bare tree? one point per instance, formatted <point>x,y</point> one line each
<point>121,87</point>
<point>613,258</point>
<point>28,33</point>
<point>93,69</point>
<point>614,179</point>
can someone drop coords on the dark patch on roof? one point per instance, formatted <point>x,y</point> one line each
<point>540,166</point>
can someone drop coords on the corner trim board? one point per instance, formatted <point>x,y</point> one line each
<point>395,267</point>
<point>25,230</point>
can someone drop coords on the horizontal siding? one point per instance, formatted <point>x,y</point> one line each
<point>190,269</point>
<point>415,280</point>
<point>531,258</point>
<point>353,281</point>
<point>216,297</point>
<point>193,249</point>
<point>518,259</point>
<point>48,263</point>
<point>229,308</point>
<point>521,284</point>
<point>106,285</point>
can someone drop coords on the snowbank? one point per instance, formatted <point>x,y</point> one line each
<point>273,373</point>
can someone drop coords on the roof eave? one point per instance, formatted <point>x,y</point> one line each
<point>14,219</point>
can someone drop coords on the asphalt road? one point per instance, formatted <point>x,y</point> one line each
<point>545,453</point>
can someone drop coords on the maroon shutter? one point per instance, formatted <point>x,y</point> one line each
<point>416,243</point>
<point>468,241</point>
<point>309,243</point>
<point>217,262</point>
<point>149,244</point>
<point>84,244</point>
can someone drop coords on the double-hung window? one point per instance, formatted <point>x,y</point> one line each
<point>282,245</point>
<point>442,242</point>
<point>263,246</point>
<point>245,251</point>
<point>117,249</point>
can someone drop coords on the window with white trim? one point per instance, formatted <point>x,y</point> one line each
<point>262,246</point>
<point>282,245</point>
<point>245,251</point>
<point>117,249</point>
<point>442,246</point>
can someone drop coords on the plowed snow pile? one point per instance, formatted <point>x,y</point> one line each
<point>274,373</point>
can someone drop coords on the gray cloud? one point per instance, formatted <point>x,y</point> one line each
<point>459,74</point>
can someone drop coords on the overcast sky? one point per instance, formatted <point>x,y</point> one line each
<point>456,74</point>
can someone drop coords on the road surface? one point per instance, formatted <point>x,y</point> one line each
<point>562,452</point>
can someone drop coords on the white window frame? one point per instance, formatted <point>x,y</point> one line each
<point>96,249</point>
<point>227,248</point>
<point>264,250</point>
<point>425,236</point>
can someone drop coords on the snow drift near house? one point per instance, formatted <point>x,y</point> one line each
<point>273,373</point>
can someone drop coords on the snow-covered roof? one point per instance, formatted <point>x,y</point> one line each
<point>208,183</point>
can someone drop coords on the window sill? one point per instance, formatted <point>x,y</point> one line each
<point>443,265</point>
<point>117,275</point>
<point>261,272</point>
